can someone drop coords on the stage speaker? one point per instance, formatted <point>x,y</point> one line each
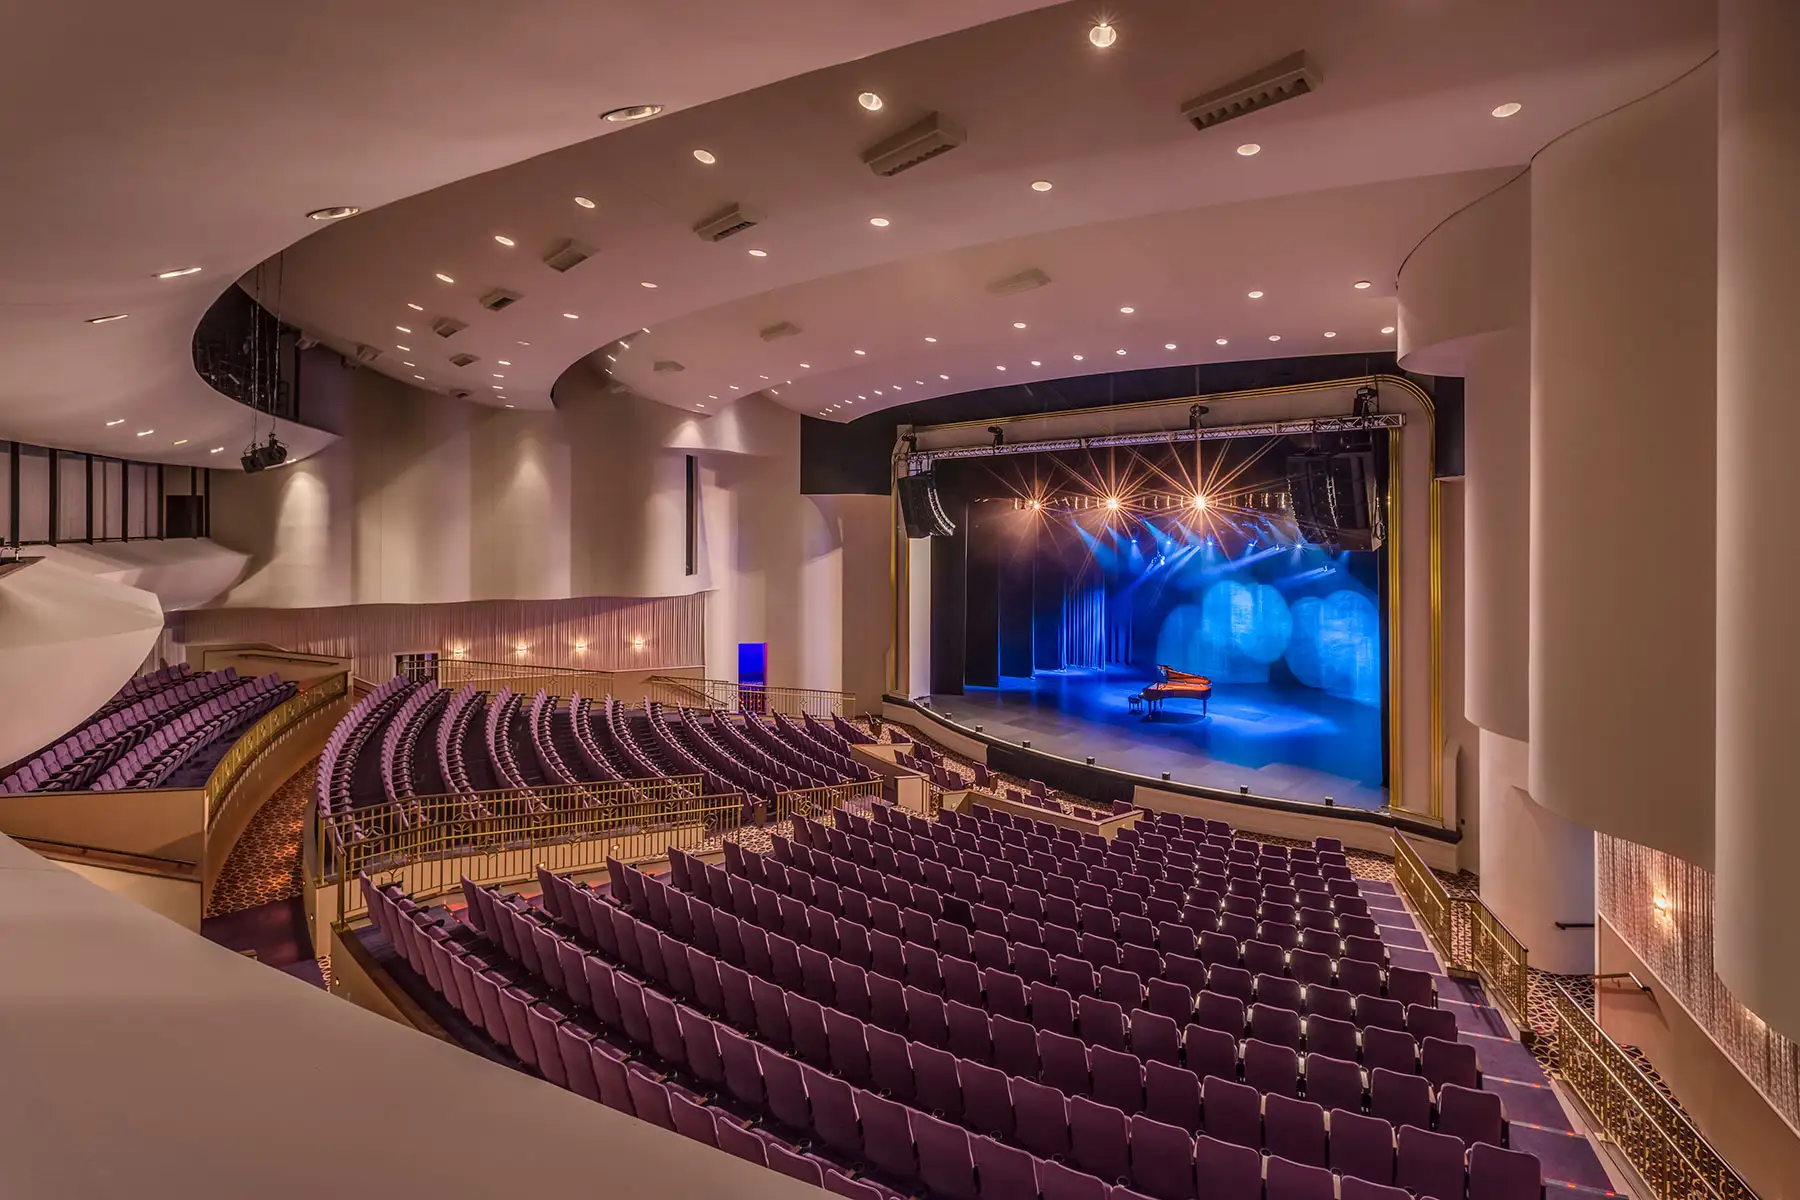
<point>924,512</point>
<point>1336,498</point>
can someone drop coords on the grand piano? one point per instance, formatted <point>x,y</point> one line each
<point>1173,684</point>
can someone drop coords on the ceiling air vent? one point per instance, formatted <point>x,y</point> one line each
<point>448,326</point>
<point>566,254</point>
<point>667,366</point>
<point>1024,281</point>
<point>732,219</point>
<point>367,354</point>
<point>463,360</point>
<point>500,298</point>
<point>1287,79</point>
<point>934,135</point>
<point>785,329</point>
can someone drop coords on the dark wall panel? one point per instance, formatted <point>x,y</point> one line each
<point>982,632</point>
<point>949,587</point>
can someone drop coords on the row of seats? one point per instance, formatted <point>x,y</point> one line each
<point>144,705</point>
<point>171,746</point>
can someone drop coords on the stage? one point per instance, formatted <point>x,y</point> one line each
<point>1277,739</point>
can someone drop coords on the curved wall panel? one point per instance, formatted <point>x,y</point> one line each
<point>1759,567</point>
<point>1471,275</point>
<point>1623,262</point>
<point>1497,547</point>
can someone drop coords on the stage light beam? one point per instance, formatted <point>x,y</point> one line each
<point>1112,504</point>
<point>1199,501</point>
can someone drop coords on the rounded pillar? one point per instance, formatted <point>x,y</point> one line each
<point>1536,868</point>
<point>1497,533</point>
<point>1623,260</point>
<point>1758,823</point>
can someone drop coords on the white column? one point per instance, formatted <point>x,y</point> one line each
<point>1758,820</point>
<point>1497,533</point>
<point>1536,868</point>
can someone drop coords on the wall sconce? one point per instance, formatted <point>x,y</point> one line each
<point>1661,904</point>
<point>581,647</point>
<point>519,649</point>
<point>637,643</point>
<point>457,652</point>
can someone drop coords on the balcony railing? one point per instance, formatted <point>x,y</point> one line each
<point>1470,939</point>
<point>727,696</point>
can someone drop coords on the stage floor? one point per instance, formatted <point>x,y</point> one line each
<point>1281,740</point>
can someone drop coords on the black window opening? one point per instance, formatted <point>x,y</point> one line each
<point>50,497</point>
<point>692,530</point>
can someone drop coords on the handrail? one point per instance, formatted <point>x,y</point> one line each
<point>1661,1142</point>
<point>1470,939</point>
<point>736,697</point>
<point>811,802</point>
<point>525,678</point>
<point>275,725</point>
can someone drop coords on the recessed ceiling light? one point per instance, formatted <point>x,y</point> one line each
<point>1220,341</point>
<point>879,222</point>
<point>115,421</point>
<point>1041,185</point>
<point>181,442</point>
<point>1036,363</point>
<point>1254,295</point>
<point>145,432</point>
<point>409,364</point>
<point>943,377</point>
<point>1508,109</point>
<point>504,240</point>
<point>106,320</point>
<point>415,307</point>
<point>759,253</point>
<point>861,397</point>
<point>498,387</point>
<point>215,449</point>
<point>1169,346</point>
<point>1362,285</point>
<point>498,375</point>
<point>443,278</point>
<point>1076,357</point>
<point>931,339</point>
<point>1118,351</point>
<point>712,397</point>
<point>524,343</point>
<point>1018,324</point>
<point>1274,337</point>
<point>418,377</point>
<point>870,101</point>
<point>402,329</point>
<point>1331,333</point>
<point>1387,329</point>
<point>696,405</point>
<point>336,212</point>
<point>584,202</point>
<point>631,112</point>
<point>999,368</point>
<point>1127,309</point>
<point>878,390</point>
<point>859,352</point>
<point>573,316</point>
<point>178,272</point>
<point>509,406</point>
<point>1249,149</point>
<point>504,362</point>
<point>404,349</point>
<point>762,377</point>
<point>647,283</point>
<point>1103,34</point>
<point>705,156</point>
<point>806,366</point>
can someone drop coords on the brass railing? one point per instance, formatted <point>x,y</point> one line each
<point>525,678</point>
<point>1661,1143</point>
<point>1467,935</point>
<point>429,843</point>
<point>812,802</point>
<point>275,725</point>
<point>733,697</point>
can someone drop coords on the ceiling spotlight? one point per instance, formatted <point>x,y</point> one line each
<point>943,377</point>
<point>402,329</point>
<point>759,254</point>
<point>1041,185</point>
<point>1018,324</point>
<point>1254,295</point>
<point>1127,310</point>
<point>178,272</point>
<point>584,202</point>
<point>859,352</point>
<point>1274,337</point>
<point>879,222</point>
<point>705,156</point>
<point>702,406</point>
<point>1220,341</point>
<point>498,387</point>
<point>215,450</point>
<point>573,316</point>
<point>1331,333</point>
<point>806,366</point>
<point>145,432</point>
<point>647,284</point>
<point>999,368</point>
<point>443,278</point>
<point>870,101</point>
<point>504,362</point>
<point>1168,345</point>
<point>504,240</point>
<point>1508,109</point>
<point>106,320</point>
<point>631,112</point>
<point>1249,149</point>
<point>1076,357</point>
<point>1362,285</point>
<point>118,421</point>
<point>409,364</point>
<point>1199,501</point>
<point>1103,34</point>
<point>418,377</point>
<point>1387,329</point>
<point>1036,363</point>
<point>415,307</point>
<point>1112,504</point>
<point>498,375</point>
<point>1118,351</point>
<point>931,339</point>
<point>336,212</point>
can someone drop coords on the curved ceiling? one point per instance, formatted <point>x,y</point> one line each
<point>153,137</point>
<point>1144,211</point>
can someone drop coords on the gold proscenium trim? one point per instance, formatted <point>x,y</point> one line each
<point>899,650</point>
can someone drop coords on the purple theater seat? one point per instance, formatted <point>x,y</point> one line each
<point>1117,1079</point>
<point>1042,1114</point>
<point>1271,1068</point>
<point>1471,1115</point>
<point>735,1139</point>
<point>1032,964</point>
<point>692,1120</point>
<point>1231,1172</point>
<point>1231,1112</point>
<point>1172,1096</point>
<point>785,1088</point>
<point>649,1098</point>
<point>1216,1010</point>
<point>1235,982</point>
<point>1154,1036</point>
<point>849,1052</point>
<point>1015,1047</point>
<point>665,1028</point>
<point>937,1089</point>
<point>1005,994</point>
<point>1378,1012</point>
<point>700,1042</point>
<point>1390,1049</point>
<point>1311,968</point>
<point>1189,973</point>
<point>1123,988</point>
<point>609,1077</point>
<point>1334,1083</point>
<point>1297,1181</point>
<point>1429,1164</point>
<point>1294,1129</point>
<point>1169,999</point>
<point>987,1099</point>
<point>1264,958</point>
<point>1424,1023</point>
<point>770,1001</point>
<point>887,1135</point>
<point>1005,1173</point>
<point>1400,1099</point>
<point>1362,1147</point>
<point>1075,975</point>
<point>1350,1188</point>
<point>1280,1026</point>
<point>1064,1062</point>
<point>1409,986</point>
<point>1098,1139</point>
<point>1102,1023</point>
<point>1052,1009</point>
<point>1334,1039</point>
<point>1066,1183</point>
<point>1444,1062</point>
<point>1496,1174</point>
<point>890,1062</point>
<point>887,1003</point>
<point>1210,1052</point>
<point>946,1161</point>
<point>743,1071</point>
<point>1326,1001</point>
<point>926,1020</point>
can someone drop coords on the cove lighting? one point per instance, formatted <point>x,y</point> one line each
<point>178,272</point>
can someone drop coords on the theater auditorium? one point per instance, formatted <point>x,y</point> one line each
<point>956,600</point>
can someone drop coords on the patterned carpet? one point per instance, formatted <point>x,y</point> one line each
<point>265,864</point>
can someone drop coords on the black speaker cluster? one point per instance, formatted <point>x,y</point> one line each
<point>923,511</point>
<point>1336,498</point>
<point>260,456</point>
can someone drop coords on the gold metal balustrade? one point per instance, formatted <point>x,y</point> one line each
<point>734,697</point>
<point>275,725</point>
<point>524,678</point>
<point>816,802</point>
<point>1469,938</point>
<point>1629,1110</point>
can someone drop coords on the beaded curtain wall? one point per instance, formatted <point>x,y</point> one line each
<point>1662,907</point>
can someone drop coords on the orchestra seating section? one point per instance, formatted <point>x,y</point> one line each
<point>165,729</point>
<point>947,773</point>
<point>991,1008</point>
<point>406,740</point>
